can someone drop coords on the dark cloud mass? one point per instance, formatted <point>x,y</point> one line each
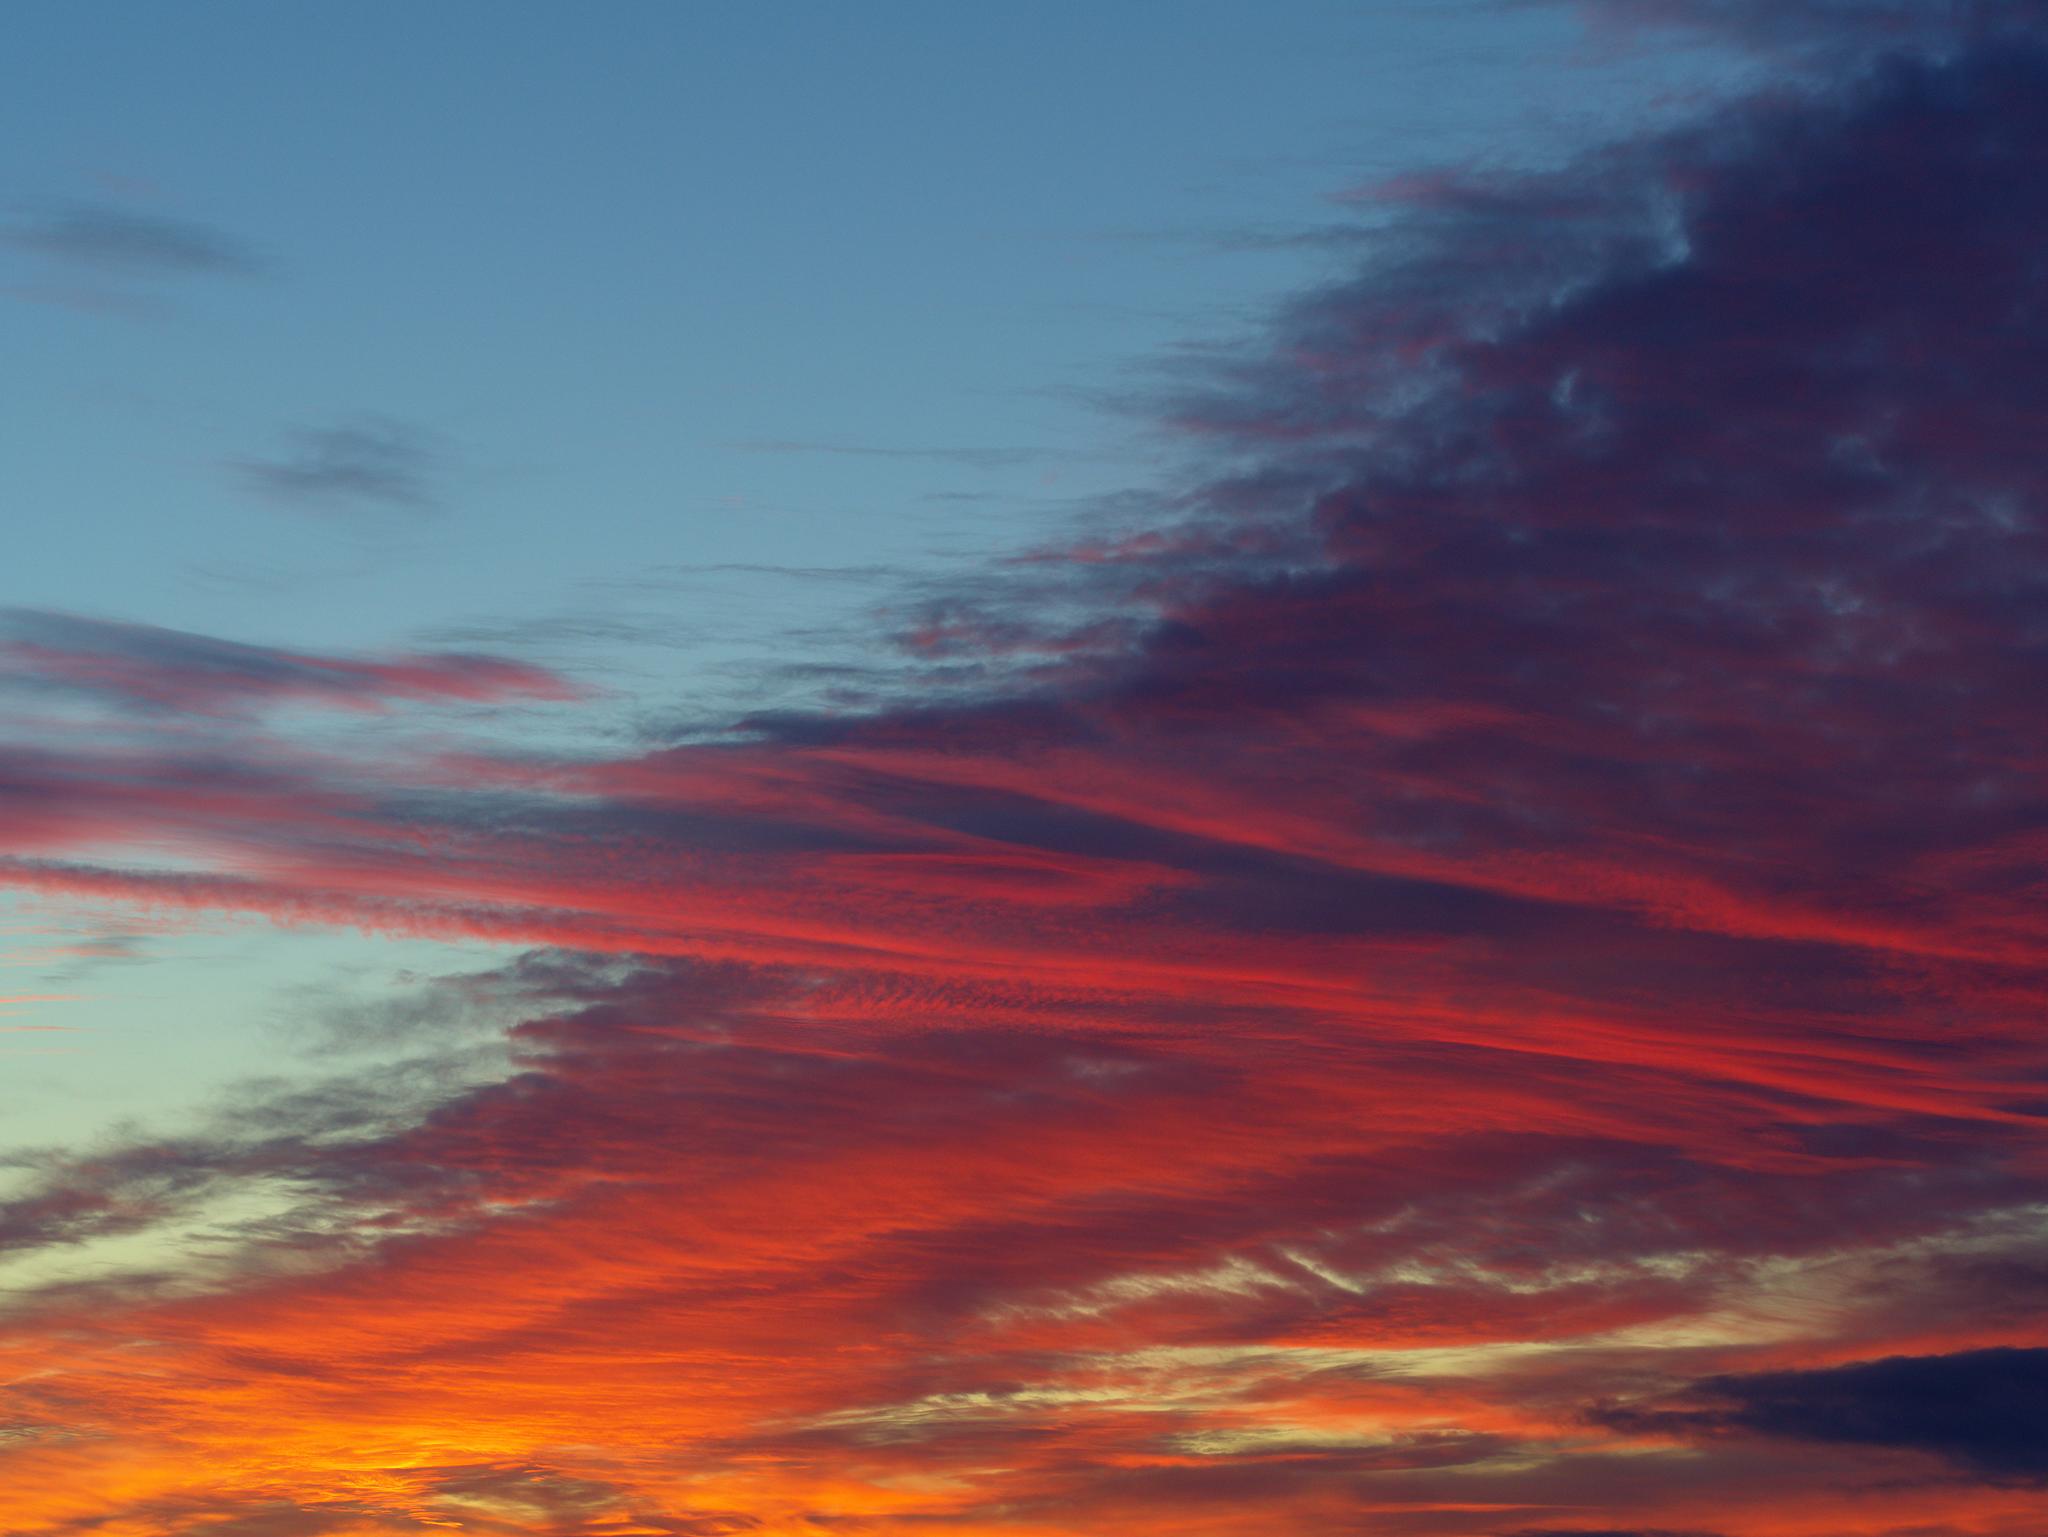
<point>1986,1410</point>
<point>1515,888</point>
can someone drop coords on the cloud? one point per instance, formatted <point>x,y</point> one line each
<point>125,240</point>
<point>1940,24</point>
<point>1984,1410</point>
<point>973,458</point>
<point>373,462</point>
<point>110,259</point>
<point>147,668</point>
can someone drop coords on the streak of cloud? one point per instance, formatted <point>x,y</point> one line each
<point>149,668</point>
<point>373,462</point>
<point>129,241</point>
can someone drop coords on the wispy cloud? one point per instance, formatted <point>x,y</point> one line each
<point>149,668</point>
<point>130,241</point>
<point>115,259</point>
<point>374,462</point>
<point>1830,29</point>
<point>972,458</point>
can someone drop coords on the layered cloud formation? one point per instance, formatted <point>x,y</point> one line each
<point>1479,973</point>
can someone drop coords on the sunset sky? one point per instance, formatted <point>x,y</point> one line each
<point>1162,768</point>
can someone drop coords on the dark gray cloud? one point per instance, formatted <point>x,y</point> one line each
<point>1983,1410</point>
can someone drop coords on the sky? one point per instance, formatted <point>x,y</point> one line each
<point>1184,770</point>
